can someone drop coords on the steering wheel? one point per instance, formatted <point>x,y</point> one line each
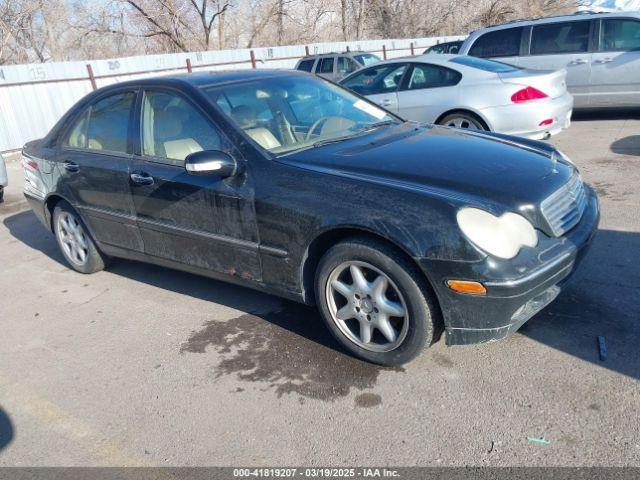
<point>323,120</point>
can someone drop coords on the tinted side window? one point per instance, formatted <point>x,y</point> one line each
<point>104,125</point>
<point>173,128</point>
<point>499,43</point>
<point>431,76</point>
<point>78,135</point>
<point>306,65</point>
<point>569,37</point>
<point>619,35</point>
<point>374,80</point>
<point>326,65</point>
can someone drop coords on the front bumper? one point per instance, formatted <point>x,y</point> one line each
<point>523,120</point>
<point>517,289</point>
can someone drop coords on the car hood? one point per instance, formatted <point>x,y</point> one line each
<point>489,169</point>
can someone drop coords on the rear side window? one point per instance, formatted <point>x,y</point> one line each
<point>431,76</point>
<point>499,43</point>
<point>375,80</point>
<point>105,125</point>
<point>326,65</point>
<point>619,35</point>
<point>306,65</point>
<point>569,37</point>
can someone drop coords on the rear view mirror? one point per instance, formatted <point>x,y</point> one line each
<point>211,162</point>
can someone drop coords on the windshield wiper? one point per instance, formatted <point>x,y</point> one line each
<point>375,126</point>
<point>368,128</point>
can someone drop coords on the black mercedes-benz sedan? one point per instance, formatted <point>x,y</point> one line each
<point>287,183</point>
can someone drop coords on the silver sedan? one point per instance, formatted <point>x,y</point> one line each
<point>469,92</point>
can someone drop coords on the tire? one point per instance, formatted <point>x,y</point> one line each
<point>1,194</point>
<point>74,240</point>
<point>463,120</point>
<point>405,288</point>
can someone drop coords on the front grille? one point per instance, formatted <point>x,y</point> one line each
<point>563,209</point>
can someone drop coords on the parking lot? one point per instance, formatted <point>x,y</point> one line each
<point>139,365</point>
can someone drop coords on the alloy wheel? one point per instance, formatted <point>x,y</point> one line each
<point>73,238</point>
<point>367,306</point>
<point>464,122</point>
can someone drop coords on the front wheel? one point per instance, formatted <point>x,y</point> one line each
<point>374,301</point>
<point>73,238</point>
<point>462,120</point>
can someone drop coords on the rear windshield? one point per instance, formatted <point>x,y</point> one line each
<point>486,65</point>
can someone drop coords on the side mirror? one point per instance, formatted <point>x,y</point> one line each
<point>211,162</point>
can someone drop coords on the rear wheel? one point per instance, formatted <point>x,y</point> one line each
<point>73,238</point>
<point>462,120</point>
<point>374,301</point>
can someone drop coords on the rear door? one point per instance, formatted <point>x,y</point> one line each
<point>325,67</point>
<point>204,221</point>
<point>615,71</point>
<point>563,45</point>
<point>379,83</point>
<point>426,91</point>
<point>94,160</point>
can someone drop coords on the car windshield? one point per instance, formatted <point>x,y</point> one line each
<point>486,65</point>
<point>366,59</point>
<point>290,113</point>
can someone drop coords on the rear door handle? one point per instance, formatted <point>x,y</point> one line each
<point>386,102</point>
<point>71,167</point>
<point>578,61</point>
<point>142,179</point>
<point>603,60</point>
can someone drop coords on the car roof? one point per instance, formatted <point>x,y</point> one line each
<point>209,78</point>
<point>435,58</point>
<point>331,54</point>
<point>583,15</point>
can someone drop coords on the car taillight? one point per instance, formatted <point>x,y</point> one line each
<point>29,163</point>
<point>527,94</point>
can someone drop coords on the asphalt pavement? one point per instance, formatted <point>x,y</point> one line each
<point>140,365</point>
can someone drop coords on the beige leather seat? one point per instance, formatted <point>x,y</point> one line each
<point>171,139</point>
<point>263,137</point>
<point>246,119</point>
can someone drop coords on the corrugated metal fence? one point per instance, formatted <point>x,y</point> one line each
<point>33,97</point>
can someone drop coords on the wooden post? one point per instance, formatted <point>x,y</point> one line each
<point>253,59</point>
<point>189,69</point>
<point>412,49</point>
<point>92,78</point>
<point>306,50</point>
<point>384,52</point>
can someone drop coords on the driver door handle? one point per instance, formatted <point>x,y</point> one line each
<point>71,166</point>
<point>385,102</point>
<point>603,60</point>
<point>142,179</point>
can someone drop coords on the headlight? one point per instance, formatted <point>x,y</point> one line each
<point>502,236</point>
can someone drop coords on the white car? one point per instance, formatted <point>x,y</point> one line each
<point>469,92</point>
<point>3,177</point>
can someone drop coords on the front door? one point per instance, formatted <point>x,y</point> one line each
<point>426,91</point>
<point>203,221</point>
<point>93,162</point>
<point>615,71</point>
